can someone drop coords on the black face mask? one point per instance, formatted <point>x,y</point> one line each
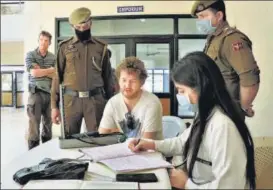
<point>83,35</point>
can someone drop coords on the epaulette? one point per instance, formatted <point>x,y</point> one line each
<point>100,41</point>
<point>61,42</point>
<point>230,30</point>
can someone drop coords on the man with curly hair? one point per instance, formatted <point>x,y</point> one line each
<point>133,111</point>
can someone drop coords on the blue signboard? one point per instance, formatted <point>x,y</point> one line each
<point>126,9</point>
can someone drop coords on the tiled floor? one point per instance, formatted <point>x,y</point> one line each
<point>14,123</point>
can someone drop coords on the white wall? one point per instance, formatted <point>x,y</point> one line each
<point>256,21</point>
<point>252,17</point>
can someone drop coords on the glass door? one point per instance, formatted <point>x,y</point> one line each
<point>157,55</point>
<point>6,89</point>
<point>119,49</point>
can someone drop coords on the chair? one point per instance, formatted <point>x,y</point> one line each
<point>264,162</point>
<point>172,126</point>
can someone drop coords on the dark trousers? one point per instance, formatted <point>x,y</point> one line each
<point>38,108</point>
<point>75,109</point>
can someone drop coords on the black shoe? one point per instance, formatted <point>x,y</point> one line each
<point>32,144</point>
<point>45,139</point>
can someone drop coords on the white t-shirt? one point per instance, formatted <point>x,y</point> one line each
<point>147,115</point>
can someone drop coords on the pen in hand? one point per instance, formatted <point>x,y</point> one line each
<point>138,140</point>
<point>134,144</point>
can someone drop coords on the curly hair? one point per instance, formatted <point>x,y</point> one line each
<point>132,65</point>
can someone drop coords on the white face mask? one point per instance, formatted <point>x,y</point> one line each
<point>205,26</point>
<point>184,101</point>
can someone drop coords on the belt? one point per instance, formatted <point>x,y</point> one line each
<point>39,90</point>
<point>35,89</point>
<point>83,94</point>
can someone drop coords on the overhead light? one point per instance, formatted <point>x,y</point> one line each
<point>142,20</point>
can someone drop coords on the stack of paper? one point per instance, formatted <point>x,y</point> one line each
<point>121,159</point>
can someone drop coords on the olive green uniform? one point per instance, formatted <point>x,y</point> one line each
<point>232,52</point>
<point>84,69</point>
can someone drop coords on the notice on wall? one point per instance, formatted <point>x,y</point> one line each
<point>126,9</point>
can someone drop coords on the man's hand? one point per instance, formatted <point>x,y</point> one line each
<point>36,66</point>
<point>33,70</point>
<point>55,116</point>
<point>37,72</point>
<point>178,178</point>
<point>51,72</point>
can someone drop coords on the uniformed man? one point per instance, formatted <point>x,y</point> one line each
<point>40,66</point>
<point>231,50</point>
<point>114,80</point>
<point>83,67</point>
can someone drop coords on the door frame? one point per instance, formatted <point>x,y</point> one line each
<point>130,50</point>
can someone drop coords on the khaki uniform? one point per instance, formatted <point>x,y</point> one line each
<point>232,52</point>
<point>82,67</point>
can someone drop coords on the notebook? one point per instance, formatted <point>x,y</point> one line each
<point>78,184</point>
<point>121,159</point>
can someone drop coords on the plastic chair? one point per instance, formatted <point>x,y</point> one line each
<point>172,126</point>
<point>264,162</point>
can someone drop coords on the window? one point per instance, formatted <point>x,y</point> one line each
<point>12,7</point>
<point>188,26</point>
<point>19,80</point>
<point>6,80</point>
<point>186,46</point>
<point>156,59</point>
<point>119,27</point>
<point>117,54</point>
<point>190,45</point>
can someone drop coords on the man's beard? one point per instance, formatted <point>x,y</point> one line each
<point>131,96</point>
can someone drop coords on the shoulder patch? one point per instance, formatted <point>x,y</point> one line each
<point>100,41</point>
<point>62,42</point>
<point>237,46</point>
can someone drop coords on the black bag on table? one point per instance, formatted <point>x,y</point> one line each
<point>52,169</point>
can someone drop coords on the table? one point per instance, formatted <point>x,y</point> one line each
<point>51,149</point>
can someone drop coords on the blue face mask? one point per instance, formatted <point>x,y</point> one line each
<point>184,101</point>
<point>205,26</point>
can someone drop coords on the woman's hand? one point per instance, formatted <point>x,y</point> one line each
<point>178,178</point>
<point>137,145</point>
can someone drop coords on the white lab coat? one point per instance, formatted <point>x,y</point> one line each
<point>222,145</point>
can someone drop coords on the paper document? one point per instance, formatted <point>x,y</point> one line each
<point>135,163</point>
<point>78,184</point>
<point>120,158</point>
<point>107,152</point>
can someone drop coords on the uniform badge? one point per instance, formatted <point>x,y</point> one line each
<point>71,48</point>
<point>237,46</point>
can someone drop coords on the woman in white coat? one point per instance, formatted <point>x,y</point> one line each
<point>218,146</point>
